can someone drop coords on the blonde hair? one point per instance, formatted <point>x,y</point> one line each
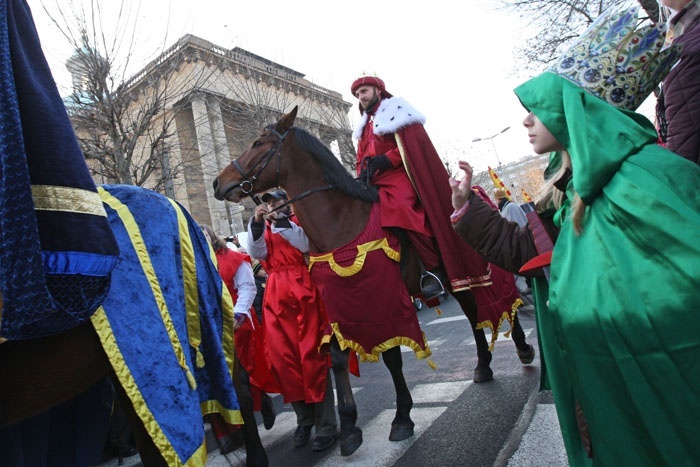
<point>551,196</point>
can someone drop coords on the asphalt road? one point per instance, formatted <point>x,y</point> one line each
<point>458,423</point>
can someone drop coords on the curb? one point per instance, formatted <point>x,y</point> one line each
<point>516,435</point>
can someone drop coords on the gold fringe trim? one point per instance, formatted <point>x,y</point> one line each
<point>357,265</point>
<point>373,355</point>
<point>505,316</point>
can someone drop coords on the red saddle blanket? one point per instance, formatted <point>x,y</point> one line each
<point>368,305</point>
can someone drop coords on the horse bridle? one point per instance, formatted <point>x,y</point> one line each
<point>246,185</point>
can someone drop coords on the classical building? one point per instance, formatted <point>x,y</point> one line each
<point>207,105</point>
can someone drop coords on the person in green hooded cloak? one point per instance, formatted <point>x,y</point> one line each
<point>618,294</point>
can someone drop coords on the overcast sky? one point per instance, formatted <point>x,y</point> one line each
<point>453,61</point>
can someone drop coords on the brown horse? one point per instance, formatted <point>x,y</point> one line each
<point>334,208</point>
<point>38,374</point>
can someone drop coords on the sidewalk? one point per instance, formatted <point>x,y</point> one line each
<point>536,439</point>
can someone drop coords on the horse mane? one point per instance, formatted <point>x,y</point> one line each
<point>333,171</point>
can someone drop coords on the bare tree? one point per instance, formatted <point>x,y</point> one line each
<point>260,93</point>
<point>556,23</point>
<point>125,125</point>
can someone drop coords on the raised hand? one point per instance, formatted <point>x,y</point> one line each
<point>461,191</point>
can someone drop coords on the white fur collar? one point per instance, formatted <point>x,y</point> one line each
<point>392,115</point>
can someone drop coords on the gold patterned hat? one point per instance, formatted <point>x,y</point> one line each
<point>619,58</point>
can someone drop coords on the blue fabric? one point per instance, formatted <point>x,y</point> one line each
<point>38,148</point>
<point>155,381</point>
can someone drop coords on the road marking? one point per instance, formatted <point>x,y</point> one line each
<point>438,392</point>
<point>446,320</point>
<point>501,336</point>
<point>376,449</point>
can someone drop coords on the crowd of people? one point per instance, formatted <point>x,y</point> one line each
<point>609,255</point>
<point>606,253</point>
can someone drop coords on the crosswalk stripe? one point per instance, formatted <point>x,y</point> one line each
<point>438,392</point>
<point>377,450</point>
<point>501,336</point>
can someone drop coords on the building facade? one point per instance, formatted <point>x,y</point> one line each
<point>206,105</point>
<point>524,175</point>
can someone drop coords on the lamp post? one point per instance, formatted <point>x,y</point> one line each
<point>475,140</point>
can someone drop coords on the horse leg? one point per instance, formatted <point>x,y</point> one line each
<point>402,425</point>
<point>350,435</point>
<point>255,452</point>
<point>482,372</point>
<point>526,352</point>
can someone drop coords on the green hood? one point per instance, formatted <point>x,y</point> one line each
<point>597,136</point>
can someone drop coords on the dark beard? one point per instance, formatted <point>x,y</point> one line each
<point>372,105</point>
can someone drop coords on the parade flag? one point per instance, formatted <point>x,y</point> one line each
<point>499,184</point>
<point>526,197</point>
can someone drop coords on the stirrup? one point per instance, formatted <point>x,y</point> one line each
<point>431,286</point>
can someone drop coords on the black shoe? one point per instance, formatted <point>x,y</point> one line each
<point>526,356</point>
<point>322,443</point>
<point>268,412</point>
<point>302,436</point>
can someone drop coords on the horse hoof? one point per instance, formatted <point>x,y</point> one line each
<point>351,442</point>
<point>400,432</point>
<point>526,356</point>
<point>481,375</point>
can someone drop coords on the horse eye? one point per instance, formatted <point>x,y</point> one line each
<point>256,144</point>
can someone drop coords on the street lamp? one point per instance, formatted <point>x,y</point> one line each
<point>475,140</point>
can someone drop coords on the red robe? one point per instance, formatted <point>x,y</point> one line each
<point>415,194</point>
<point>249,338</point>
<point>295,323</point>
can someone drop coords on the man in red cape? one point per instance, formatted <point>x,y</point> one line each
<point>395,153</point>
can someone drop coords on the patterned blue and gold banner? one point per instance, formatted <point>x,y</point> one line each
<point>167,323</point>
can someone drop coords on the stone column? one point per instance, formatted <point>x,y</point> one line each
<point>208,161</point>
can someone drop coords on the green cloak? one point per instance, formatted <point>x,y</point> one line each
<point>619,334</point>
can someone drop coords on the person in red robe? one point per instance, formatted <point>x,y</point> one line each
<point>395,153</point>
<point>294,319</point>
<point>236,270</point>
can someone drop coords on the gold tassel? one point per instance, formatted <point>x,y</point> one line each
<point>190,380</point>
<point>432,364</point>
<point>438,311</point>
<point>199,359</point>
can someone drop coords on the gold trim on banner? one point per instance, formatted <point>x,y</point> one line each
<point>142,252</point>
<point>66,199</point>
<point>126,379</point>
<point>189,279</point>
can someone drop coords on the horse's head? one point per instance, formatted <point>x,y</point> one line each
<point>258,168</point>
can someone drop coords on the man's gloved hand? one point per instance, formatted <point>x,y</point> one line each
<point>374,164</point>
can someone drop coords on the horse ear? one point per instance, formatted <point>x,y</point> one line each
<point>287,121</point>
